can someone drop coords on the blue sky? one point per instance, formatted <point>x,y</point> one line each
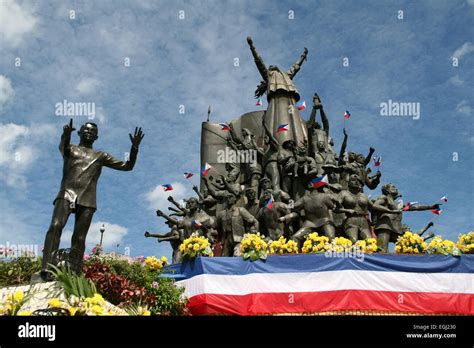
<point>190,62</point>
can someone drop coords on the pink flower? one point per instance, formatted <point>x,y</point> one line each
<point>85,257</point>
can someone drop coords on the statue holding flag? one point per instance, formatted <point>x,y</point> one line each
<point>388,226</point>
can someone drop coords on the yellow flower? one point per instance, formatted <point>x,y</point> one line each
<point>164,259</point>
<point>25,313</point>
<point>18,296</point>
<point>55,303</point>
<point>98,310</point>
<point>72,311</point>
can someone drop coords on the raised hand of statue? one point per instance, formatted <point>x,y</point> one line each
<point>195,188</point>
<point>305,53</point>
<point>344,132</point>
<point>170,198</point>
<point>147,234</point>
<point>371,149</point>
<point>436,206</point>
<point>317,102</point>
<point>69,128</point>
<point>378,174</point>
<point>137,137</point>
<point>159,213</point>
<point>249,40</point>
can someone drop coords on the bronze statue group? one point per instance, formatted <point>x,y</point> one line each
<point>297,185</point>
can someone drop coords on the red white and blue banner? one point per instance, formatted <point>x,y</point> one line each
<point>309,283</point>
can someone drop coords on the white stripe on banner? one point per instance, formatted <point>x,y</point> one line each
<point>462,283</point>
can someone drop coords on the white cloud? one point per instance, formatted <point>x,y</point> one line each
<point>463,107</point>
<point>87,85</point>
<point>15,22</point>
<point>6,91</point>
<point>113,235</point>
<point>158,197</point>
<point>17,150</point>
<point>470,2</point>
<point>456,80</point>
<point>466,48</point>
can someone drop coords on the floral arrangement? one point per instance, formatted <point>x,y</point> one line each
<point>195,246</point>
<point>410,243</point>
<point>90,306</point>
<point>315,243</point>
<point>339,244</point>
<point>366,246</point>
<point>97,250</point>
<point>11,304</point>
<point>117,288</point>
<point>444,247</point>
<point>253,247</point>
<point>466,243</point>
<point>282,246</point>
<point>155,264</point>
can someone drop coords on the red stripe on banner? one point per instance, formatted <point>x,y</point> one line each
<point>340,300</point>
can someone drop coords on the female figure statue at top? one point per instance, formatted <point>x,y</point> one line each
<point>282,96</point>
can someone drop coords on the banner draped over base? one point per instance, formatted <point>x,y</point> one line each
<point>309,283</point>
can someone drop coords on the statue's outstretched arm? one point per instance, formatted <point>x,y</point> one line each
<point>271,138</point>
<point>369,156</point>
<point>422,207</point>
<point>430,224</point>
<point>297,66</point>
<point>325,120</point>
<point>343,148</point>
<point>312,117</point>
<point>199,194</point>
<point>157,235</point>
<point>258,60</point>
<point>66,138</point>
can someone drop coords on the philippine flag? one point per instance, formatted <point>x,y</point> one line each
<point>409,205</point>
<point>400,204</point>
<point>378,160</point>
<point>188,175</point>
<point>207,167</point>
<point>269,203</point>
<point>436,211</point>
<point>224,126</point>
<point>283,128</point>
<point>196,224</point>
<point>444,198</point>
<point>167,187</point>
<point>320,181</point>
<point>301,105</point>
<point>259,102</point>
<point>347,114</point>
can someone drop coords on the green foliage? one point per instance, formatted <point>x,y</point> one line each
<point>18,271</point>
<point>169,298</point>
<point>159,295</point>
<point>72,283</point>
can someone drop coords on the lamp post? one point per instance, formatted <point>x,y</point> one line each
<point>102,230</point>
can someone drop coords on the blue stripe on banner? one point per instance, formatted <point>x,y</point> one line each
<point>322,263</point>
